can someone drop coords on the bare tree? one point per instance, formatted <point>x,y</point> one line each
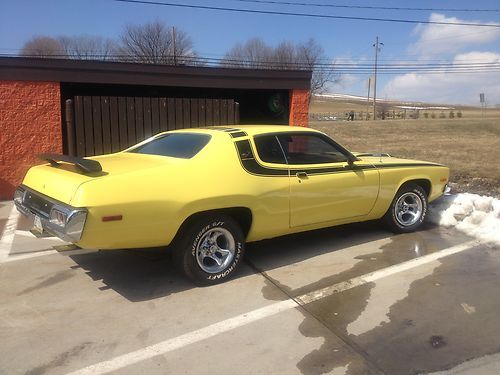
<point>43,46</point>
<point>233,58</point>
<point>255,53</point>
<point>155,43</point>
<point>86,47</point>
<point>284,56</point>
<point>310,55</point>
<point>383,108</point>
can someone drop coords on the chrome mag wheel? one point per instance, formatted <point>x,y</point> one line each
<point>408,209</point>
<point>215,250</point>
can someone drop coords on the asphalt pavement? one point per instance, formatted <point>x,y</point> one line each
<point>354,299</point>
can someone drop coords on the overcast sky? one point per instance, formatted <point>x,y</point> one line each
<point>343,40</point>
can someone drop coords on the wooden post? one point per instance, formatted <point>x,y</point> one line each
<point>236,113</point>
<point>70,130</point>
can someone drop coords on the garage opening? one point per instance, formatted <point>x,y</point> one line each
<point>98,125</point>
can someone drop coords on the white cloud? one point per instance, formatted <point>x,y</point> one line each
<point>446,44</point>
<point>477,57</point>
<point>347,80</point>
<point>456,45</point>
<point>451,88</point>
<point>441,40</point>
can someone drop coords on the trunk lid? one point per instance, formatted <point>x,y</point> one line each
<point>62,182</point>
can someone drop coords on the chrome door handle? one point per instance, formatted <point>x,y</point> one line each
<point>301,175</point>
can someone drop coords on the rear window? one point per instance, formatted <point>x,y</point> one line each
<point>179,145</point>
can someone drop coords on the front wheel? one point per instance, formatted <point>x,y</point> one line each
<point>408,209</point>
<point>210,249</point>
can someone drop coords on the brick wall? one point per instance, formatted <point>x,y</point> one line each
<point>299,107</point>
<point>30,124</point>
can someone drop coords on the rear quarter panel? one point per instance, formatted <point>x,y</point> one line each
<point>155,202</point>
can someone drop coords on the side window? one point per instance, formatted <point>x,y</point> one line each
<point>309,149</point>
<point>269,149</point>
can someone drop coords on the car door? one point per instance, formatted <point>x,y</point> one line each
<point>324,186</point>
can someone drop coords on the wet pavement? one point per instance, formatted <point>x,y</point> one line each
<point>63,312</point>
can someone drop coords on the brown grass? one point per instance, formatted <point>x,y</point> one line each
<point>469,146</point>
<point>339,108</point>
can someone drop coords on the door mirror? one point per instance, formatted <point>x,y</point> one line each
<point>351,159</point>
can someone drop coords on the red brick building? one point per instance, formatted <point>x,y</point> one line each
<point>59,106</point>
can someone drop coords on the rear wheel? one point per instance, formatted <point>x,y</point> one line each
<point>408,209</point>
<point>210,249</point>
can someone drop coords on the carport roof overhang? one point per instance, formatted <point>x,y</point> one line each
<point>100,72</point>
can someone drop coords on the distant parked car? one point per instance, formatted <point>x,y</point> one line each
<point>208,191</point>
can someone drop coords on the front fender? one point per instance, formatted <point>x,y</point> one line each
<point>391,181</point>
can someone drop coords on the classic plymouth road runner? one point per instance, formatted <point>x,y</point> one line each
<point>207,191</point>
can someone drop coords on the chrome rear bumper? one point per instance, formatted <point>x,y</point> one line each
<point>55,218</point>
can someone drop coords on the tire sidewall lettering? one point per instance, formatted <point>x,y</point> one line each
<point>198,238</point>
<point>238,251</point>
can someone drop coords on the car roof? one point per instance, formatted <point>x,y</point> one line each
<point>251,130</point>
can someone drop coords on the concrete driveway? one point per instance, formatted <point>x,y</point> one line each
<point>350,300</point>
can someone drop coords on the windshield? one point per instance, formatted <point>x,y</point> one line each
<point>176,145</point>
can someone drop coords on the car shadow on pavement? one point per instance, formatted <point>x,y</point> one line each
<point>286,250</point>
<point>137,274</point>
<point>146,274</point>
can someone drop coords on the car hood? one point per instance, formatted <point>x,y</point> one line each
<point>380,159</point>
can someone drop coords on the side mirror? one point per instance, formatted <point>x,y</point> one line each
<point>351,159</point>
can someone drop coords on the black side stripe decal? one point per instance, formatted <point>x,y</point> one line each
<point>252,166</point>
<point>238,134</point>
<point>221,128</point>
<point>233,132</point>
<point>328,170</point>
<point>401,165</point>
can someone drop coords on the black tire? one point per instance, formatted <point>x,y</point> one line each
<point>191,249</point>
<point>400,222</point>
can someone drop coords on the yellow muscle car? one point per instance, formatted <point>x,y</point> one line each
<point>208,191</point>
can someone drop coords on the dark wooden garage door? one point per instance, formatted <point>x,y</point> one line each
<point>98,125</point>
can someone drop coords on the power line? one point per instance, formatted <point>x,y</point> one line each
<point>311,15</point>
<point>357,69</point>
<point>404,59</point>
<point>367,6</point>
<point>399,64</point>
<point>361,65</point>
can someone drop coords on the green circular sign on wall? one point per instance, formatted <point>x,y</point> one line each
<point>276,104</point>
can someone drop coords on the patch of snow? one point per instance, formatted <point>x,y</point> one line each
<point>473,214</point>
<point>340,96</point>
<point>421,107</point>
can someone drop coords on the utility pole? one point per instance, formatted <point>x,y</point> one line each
<point>368,98</point>
<point>377,49</point>
<point>173,42</point>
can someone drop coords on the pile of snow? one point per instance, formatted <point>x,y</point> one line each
<point>475,215</point>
